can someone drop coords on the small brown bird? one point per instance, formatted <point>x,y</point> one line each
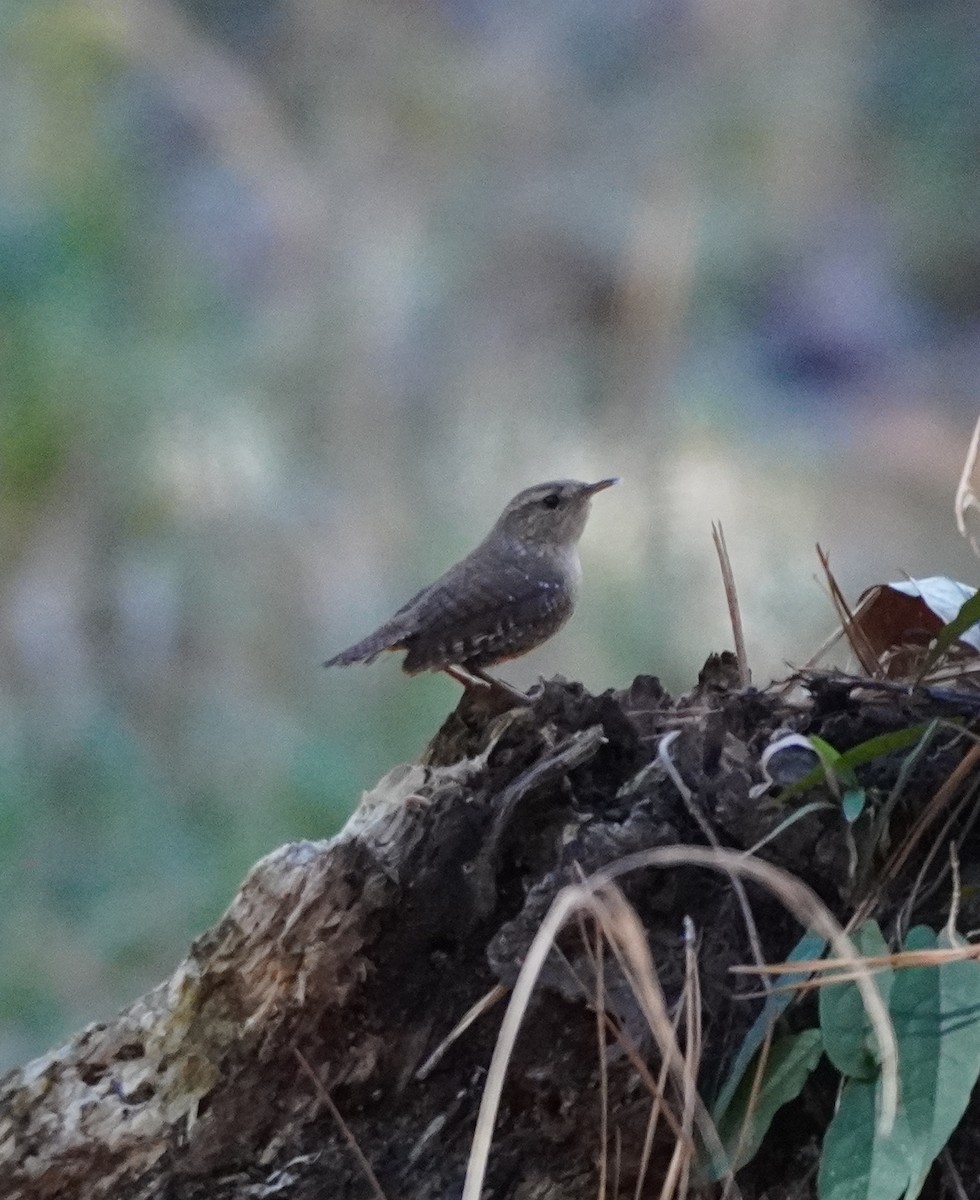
<point>507,596</point>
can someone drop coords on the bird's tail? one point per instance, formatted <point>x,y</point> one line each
<point>366,650</point>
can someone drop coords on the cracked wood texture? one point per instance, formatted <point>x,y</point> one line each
<point>357,956</point>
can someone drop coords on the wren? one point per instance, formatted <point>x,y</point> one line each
<point>510,594</point>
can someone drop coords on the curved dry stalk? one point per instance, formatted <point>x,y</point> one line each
<point>811,912</point>
<point>966,497</point>
<point>605,903</point>
<point>663,757</point>
<point>596,897</point>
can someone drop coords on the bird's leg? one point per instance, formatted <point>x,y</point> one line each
<point>498,685</point>
<point>473,677</point>
<point>465,678</point>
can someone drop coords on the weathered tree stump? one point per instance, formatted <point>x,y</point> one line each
<point>282,1059</point>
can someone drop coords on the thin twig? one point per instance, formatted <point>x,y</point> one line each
<point>909,690</point>
<point>324,1096</point>
<point>825,647</point>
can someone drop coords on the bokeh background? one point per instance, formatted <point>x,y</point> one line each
<point>294,294</point>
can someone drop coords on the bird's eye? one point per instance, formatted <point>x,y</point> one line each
<point>552,500</point>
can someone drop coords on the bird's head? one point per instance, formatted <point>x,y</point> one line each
<point>551,513</point>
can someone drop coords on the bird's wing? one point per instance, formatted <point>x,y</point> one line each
<point>482,613</point>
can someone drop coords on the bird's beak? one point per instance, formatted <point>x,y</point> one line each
<point>601,485</point>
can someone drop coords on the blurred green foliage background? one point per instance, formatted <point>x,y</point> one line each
<point>294,295</point>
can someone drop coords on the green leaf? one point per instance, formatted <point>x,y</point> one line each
<point>790,1061</point>
<point>828,754</point>
<point>844,1022</point>
<point>829,761</point>
<point>810,945</point>
<point>857,756</point>
<point>856,1163</point>
<point>936,1011</point>
<point>852,804</point>
<point>885,743</point>
<point>836,767</point>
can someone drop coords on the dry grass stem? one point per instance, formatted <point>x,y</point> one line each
<point>658,1093</point>
<point>757,1077</point>
<point>966,766</point>
<point>734,612</point>
<point>693,1046</point>
<point>629,943</point>
<point>663,757</point>
<point>824,648</point>
<point>566,902</point>
<point>483,1005</point>
<point>600,1015</point>
<point>838,970</point>
<point>920,892</point>
<point>860,647</point>
<point>955,897</point>
<point>627,939</point>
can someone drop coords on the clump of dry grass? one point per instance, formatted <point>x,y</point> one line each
<point>673,1095</point>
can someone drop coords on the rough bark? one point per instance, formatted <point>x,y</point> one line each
<point>283,1056</point>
